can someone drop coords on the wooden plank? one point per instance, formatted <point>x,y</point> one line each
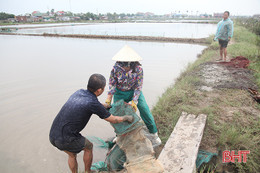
<point>180,151</point>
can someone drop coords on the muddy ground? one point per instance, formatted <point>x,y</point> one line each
<point>225,82</point>
<point>216,75</point>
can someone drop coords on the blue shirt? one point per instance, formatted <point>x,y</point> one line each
<point>75,114</point>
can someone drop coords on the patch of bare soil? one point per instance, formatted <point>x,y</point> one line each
<point>220,75</point>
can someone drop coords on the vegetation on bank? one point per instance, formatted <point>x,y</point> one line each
<point>239,131</point>
<point>5,16</point>
<point>253,24</point>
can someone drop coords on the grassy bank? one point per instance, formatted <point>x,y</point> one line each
<point>233,116</point>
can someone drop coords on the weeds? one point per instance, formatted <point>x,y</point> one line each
<point>251,23</point>
<point>208,169</point>
<point>231,124</point>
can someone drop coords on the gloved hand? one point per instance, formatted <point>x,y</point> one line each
<point>128,118</point>
<point>134,105</point>
<point>107,104</point>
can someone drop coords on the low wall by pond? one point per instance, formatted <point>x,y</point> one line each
<point>115,37</point>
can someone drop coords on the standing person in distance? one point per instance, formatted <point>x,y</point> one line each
<point>224,34</point>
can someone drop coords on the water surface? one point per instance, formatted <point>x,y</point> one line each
<point>38,74</point>
<point>176,30</point>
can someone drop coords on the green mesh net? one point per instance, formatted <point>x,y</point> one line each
<point>98,142</point>
<point>115,159</point>
<point>133,151</point>
<point>121,108</point>
<point>99,166</point>
<point>204,157</point>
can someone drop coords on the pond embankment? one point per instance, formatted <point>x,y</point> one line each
<point>115,37</point>
<point>219,90</point>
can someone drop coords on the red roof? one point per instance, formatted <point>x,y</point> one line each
<point>35,12</point>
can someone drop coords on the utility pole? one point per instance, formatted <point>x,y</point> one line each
<point>70,5</point>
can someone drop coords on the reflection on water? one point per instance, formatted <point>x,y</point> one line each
<point>177,30</point>
<point>37,75</point>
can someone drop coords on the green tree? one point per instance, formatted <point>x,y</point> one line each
<point>115,16</point>
<point>69,13</point>
<point>109,16</point>
<point>122,15</point>
<point>88,16</point>
<point>112,16</point>
<point>4,16</point>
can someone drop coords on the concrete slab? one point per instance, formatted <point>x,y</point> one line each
<point>180,152</point>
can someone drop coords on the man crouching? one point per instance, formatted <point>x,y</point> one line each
<point>74,116</point>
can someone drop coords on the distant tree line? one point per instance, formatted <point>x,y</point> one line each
<point>83,16</point>
<point>110,16</point>
<point>5,16</point>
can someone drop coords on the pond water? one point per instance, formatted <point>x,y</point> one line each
<point>176,30</point>
<point>38,74</point>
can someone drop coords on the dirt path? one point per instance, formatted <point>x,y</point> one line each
<point>217,75</point>
<point>115,37</point>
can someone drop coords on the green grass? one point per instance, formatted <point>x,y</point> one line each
<point>3,23</point>
<point>173,102</point>
<point>241,131</point>
<point>208,169</point>
<point>245,49</point>
<point>247,45</point>
<point>237,136</point>
<point>241,34</point>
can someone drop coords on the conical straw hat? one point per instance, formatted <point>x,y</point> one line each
<point>127,54</point>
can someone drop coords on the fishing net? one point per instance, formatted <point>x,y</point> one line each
<point>115,159</point>
<point>121,108</point>
<point>99,166</point>
<point>139,152</point>
<point>238,62</point>
<point>98,142</point>
<point>204,157</point>
<point>134,151</point>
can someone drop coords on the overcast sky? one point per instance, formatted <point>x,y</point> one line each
<point>236,7</point>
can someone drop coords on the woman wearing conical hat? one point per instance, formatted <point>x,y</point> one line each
<point>126,81</point>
